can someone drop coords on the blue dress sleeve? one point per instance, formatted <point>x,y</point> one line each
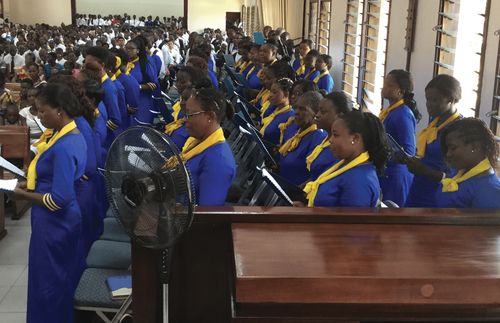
<point>326,83</point>
<point>111,103</point>
<point>62,193</point>
<point>401,125</point>
<point>131,90</point>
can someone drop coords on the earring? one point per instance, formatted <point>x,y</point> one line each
<point>472,151</point>
<point>59,113</point>
<point>352,142</point>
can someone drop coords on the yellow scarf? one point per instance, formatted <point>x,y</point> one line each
<point>283,127</point>
<point>194,147</point>
<point>104,78</point>
<point>243,66</point>
<point>177,110</point>
<point>385,112</point>
<point>116,75</point>
<point>46,135</point>
<point>263,94</point>
<point>41,148</point>
<point>292,143</point>
<point>251,71</point>
<point>429,134</point>
<point>451,184</point>
<point>311,188</point>
<point>264,108</point>
<point>317,78</point>
<point>267,120</point>
<point>174,125</point>
<point>118,62</point>
<point>97,114</point>
<point>309,73</point>
<point>131,65</point>
<point>302,68</point>
<point>316,152</point>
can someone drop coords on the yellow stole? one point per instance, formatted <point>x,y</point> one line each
<point>283,127</point>
<point>263,94</point>
<point>309,73</point>
<point>251,71</point>
<point>317,78</point>
<point>429,134</point>
<point>104,78</point>
<point>292,143</point>
<point>41,148</point>
<point>316,152</point>
<point>302,68</point>
<point>243,66</point>
<point>385,112</point>
<point>131,65</point>
<point>177,110</point>
<point>264,108</point>
<point>174,125</point>
<point>267,120</point>
<point>311,188</point>
<point>116,75</point>
<point>451,184</point>
<point>194,147</point>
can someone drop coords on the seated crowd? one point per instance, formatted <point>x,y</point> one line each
<point>81,86</point>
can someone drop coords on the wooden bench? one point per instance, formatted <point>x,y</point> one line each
<point>253,264</point>
<point>15,147</point>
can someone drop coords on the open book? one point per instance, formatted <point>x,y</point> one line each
<point>398,154</point>
<point>120,286</point>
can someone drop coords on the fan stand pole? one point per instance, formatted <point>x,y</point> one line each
<point>123,309</point>
<point>165,303</point>
<point>165,270</point>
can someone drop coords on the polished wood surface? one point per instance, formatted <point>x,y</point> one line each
<point>203,286</point>
<point>329,265</point>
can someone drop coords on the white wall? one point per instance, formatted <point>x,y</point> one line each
<point>211,14</point>
<point>161,8</point>
<point>36,11</point>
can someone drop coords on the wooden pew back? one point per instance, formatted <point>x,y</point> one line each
<point>15,143</point>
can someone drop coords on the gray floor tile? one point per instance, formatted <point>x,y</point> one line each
<point>24,221</point>
<point>15,300</point>
<point>9,274</point>
<point>14,247</point>
<point>23,279</point>
<point>13,317</point>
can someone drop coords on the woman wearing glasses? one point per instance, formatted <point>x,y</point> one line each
<point>207,155</point>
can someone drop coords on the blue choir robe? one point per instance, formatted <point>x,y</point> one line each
<point>132,91</point>
<point>326,83</point>
<point>212,173</point>
<point>293,165</point>
<point>101,131</point>
<point>247,70</point>
<point>53,266</point>
<point>311,75</point>
<point>253,80</point>
<point>324,161</point>
<point>423,190</point>
<point>85,189</point>
<point>476,192</point>
<point>297,63</point>
<point>272,132</point>
<point>357,187</point>
<point>122,104</point>
<point>144,114</point>
<point>110,100</point>
<point>396,183</point>
<point>213,79</point>
<point>179,136</point>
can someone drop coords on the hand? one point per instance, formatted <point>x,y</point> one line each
<point>22,185</point>
<point>416,166</point>
<point>151,86</point>
<point>298,204</point>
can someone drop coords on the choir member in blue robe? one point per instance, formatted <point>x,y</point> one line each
<point>470,148</point>
<point>143,71</point>
<point>324,80</point>
<point>429,167</point>
<point>208,156</point>
<point>399,119</point>
<point>298,64</point>
<point>331,107</point>
<point>251,73</point>
<point>309,65</point>
<point>55,215</point>
<point>279,98</point>
<point>297,146</point>
<point>359,142</point>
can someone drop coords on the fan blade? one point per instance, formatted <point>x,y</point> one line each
<point>138,163</point>
<point>146,139</point>
<point>135,148</point>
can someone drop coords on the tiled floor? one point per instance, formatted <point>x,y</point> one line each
<point>14,270</point>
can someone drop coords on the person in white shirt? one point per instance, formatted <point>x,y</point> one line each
<point>32,49</point>
<point>174,52</point>
<point>14,57</point>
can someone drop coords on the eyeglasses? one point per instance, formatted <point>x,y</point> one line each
<point>190,115</point>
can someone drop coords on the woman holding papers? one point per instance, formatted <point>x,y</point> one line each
<point>55,215</point>
<point>331,107</point>
<point>399,119</point>
<point>429,167</point>
<point>470,147</point>
<point>358,140</point>
<point>298,145</point>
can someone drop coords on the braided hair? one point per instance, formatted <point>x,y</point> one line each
<point>405,82</point>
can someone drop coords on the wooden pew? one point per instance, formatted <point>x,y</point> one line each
<point>15,90</point>
<point>15,147</point>
<point>243,264</point>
